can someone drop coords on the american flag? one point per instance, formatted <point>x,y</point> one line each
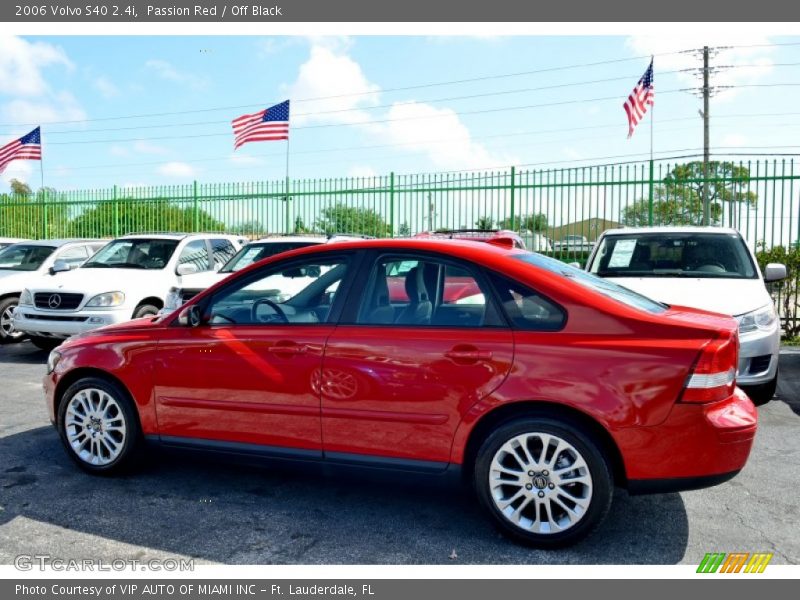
<point>641,97</point>
<point>28,146</point>
<point>264,126</point>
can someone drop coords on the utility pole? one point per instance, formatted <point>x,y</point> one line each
<point>706,94</point>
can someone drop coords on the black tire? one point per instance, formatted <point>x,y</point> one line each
<point>130,443</point>
<point>145,310</point>
<point>45,343</point>
<point>8,336</point>
<point>602,484</point>
<point>761,394</point>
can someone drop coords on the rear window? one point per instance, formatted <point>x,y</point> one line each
<point>695,255</point>
<point>255,252</point>
<point>602,286</point>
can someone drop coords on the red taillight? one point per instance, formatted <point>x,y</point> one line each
<point>714,375</point>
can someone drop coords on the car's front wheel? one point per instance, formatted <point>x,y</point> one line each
<point>98,426</point>
<point>7,332</point>
<point>544,481</point>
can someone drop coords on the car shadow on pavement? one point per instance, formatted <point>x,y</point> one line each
<point>218,512</point>
<point>22,353</point>
<point>789,382</point>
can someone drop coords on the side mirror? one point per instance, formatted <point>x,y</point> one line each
<point>186,269</point>
<point>774,272</point>
<point>191,316</point>
<point>59,266</point>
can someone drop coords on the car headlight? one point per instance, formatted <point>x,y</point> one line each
<point>762,319</point>
<point>25,298</point>
<point>53,360</point>
<point>107,300</point>
<point>173,300</point>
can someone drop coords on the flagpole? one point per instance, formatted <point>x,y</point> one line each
<point>288,198</point>
<point>652,119</point>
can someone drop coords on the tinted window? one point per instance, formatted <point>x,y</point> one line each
<point>526,309</point>
<point>602,286</point>
<point>24,257</point>
<point>301,292</point>
<point>73,256</point>
<point>695,255</point>
<point>133,254</point>
<point>255,252</point>
<point>195,253</point>
<point>421,293</point>
<point>222,251</point>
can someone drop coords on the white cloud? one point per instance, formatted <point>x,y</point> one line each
<point>437,133</point>
<point>180,170</point>
<point>440,134</point>
<point>105,87</point>
<point>245,160</point>
<point>168,72</point>
<point>22,170</point>
<point>733,50</point>
<point>361,171</point>
<point>145,147</point>
<point>61,107</point>
<point>329,72</point>
<point>733,140</point>
<point>21,63</point>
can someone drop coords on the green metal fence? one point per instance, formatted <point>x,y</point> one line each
<point>760,198</point>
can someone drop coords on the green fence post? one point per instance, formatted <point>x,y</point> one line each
<point>513,188</point>
<point>44,213</point>
<point>650,197</point>
<point>116,213</point>
<point>195,207</point>
<point>287,200</point>
<point>391,204</point>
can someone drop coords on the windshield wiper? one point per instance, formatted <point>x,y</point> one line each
<point>95,265</point>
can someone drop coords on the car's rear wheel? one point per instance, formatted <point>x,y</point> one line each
<point>98,425</point>
<point>45,343</point>
<point>544,481</point>
<point>761,394</point>
<point>145,310</point>
<point>8,334</point>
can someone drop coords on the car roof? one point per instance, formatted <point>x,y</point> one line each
<point>60,242</point>
<point>458,247</point>
<point>165,235</point>
<point>276,239</point>
<point>670,229</point>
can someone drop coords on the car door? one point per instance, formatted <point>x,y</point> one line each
<point>248,372</point>
<point>401,368</point>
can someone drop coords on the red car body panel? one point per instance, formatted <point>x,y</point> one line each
<point>418,393</point>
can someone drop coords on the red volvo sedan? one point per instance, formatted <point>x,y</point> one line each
<point>544,387</point>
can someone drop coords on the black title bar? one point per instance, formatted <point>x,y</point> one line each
<point>439,11</point>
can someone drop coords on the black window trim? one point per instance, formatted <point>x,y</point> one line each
<point>356,296</point>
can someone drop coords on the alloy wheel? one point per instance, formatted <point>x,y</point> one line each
<point>95,426</point>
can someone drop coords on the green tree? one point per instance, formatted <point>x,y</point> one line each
<point>341,218</point>
<point>109,219</point>
<point>484,223</point>
<point>252,228</point>
<point>531,222</point>
<point>26,214</point>
<point>404,230</point>
<point>786,293</point>
<point>678,198</point>
<point>299,225</point>
<point>20,188</point>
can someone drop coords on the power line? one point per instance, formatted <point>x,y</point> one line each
<point>353,94</point>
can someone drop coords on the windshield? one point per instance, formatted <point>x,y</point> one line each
<point>696,255</point>
<point>24,257</point>
<point>133,254</point>
<point>605,287</point>
<point>255,252</point>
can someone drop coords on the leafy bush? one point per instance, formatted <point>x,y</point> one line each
<point>784,292</point>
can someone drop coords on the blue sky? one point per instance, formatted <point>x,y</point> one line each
<point>77,87</point>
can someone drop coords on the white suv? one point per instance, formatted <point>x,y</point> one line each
<point>191,285</point>
<point>129,278</point>
<point>710,268</point>
<point>24,264</point>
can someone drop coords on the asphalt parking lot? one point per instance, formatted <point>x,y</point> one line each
<point>192,507</point>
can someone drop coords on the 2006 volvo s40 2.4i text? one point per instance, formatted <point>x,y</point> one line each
<point>542,385</point>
